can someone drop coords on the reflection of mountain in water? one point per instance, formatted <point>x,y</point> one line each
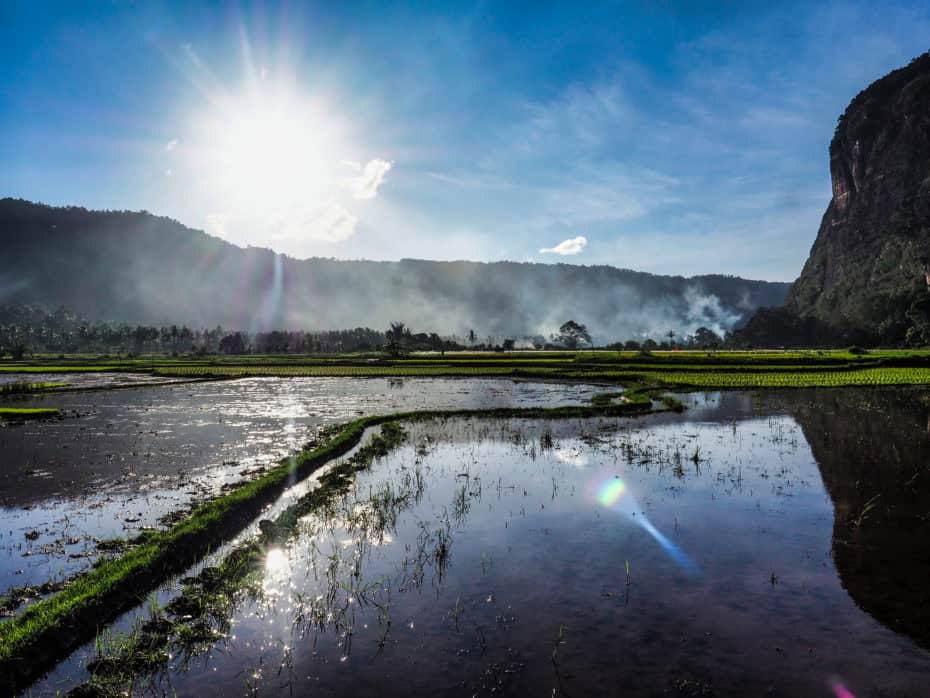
<point>872,444</point>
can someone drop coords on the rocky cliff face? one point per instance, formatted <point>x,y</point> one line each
<point>865,277</point>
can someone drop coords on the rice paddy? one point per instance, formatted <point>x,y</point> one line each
<point>683,370</point>
<point>423,466</point>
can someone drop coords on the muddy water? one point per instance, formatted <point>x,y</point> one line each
<point>126,458</point>
<point>723,552</point>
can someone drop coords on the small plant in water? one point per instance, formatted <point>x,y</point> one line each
<point>456,613</point>
<point>545,440</point>
<point>866,510</point>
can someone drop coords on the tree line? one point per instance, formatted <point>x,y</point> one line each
<point>28,329</point>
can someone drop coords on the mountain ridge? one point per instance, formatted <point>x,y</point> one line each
<point>138,267</point>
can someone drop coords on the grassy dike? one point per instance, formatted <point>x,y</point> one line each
<point>48,630</point>
<point>20,413</point>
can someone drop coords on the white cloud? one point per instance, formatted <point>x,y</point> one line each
<point>566,247</point>
<point>366,185</point>
<point>171,145</point>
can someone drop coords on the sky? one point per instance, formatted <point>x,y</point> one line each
<point>671,137</point>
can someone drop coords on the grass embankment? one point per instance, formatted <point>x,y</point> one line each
<point>19,388</point>
<point>685,370</point>
<point>671,376</point>
<point>48,629</point>
<point>200,614</point>
<point>20,413</point>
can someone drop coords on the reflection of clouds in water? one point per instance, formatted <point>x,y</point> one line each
<point>571,456</point>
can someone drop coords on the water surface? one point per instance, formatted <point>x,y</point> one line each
<point>124,459</point>
<point>726,551</point>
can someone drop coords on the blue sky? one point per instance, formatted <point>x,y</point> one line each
<point>678,138</point>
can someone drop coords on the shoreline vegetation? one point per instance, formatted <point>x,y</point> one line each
<point>47,630</point>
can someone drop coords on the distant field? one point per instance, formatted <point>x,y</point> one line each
<point>681,369</point>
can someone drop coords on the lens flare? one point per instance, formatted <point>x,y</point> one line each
<point>615,495</point>
<point>611,492</point>
<point>841,691</point>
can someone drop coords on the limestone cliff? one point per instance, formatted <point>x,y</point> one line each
<point>865,277</point>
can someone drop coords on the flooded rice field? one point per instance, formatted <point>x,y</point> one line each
<point>125,459</point>
<point>86,380</point>
<point>757,545</point>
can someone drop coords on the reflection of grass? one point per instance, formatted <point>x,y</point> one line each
<point>866,510</point>
<point>35,637</point>
<point>14,413</point>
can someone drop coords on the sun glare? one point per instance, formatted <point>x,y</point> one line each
<point>269,154</point>
<point>268,150</point>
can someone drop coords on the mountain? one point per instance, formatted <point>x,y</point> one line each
<point>141,268</point>
<point>868,273</point>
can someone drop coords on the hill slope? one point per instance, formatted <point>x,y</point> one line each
<point>139,268</point>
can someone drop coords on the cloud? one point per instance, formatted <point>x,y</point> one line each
<point>366,185</point>
<point>566,247</point>
<point>171,145</point>
<point>329,222</point>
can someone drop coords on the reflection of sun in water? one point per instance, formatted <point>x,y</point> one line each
<point>275,561</point>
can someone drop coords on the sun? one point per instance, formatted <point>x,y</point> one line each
<point>267,150</point>
<point>278,165</point>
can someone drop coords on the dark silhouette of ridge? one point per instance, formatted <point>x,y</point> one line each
<point>139,268</point>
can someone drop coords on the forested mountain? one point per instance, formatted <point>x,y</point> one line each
<point>144,269</point>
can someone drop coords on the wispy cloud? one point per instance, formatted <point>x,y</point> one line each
<point>367,184</point>
<point>567,247</point>
<point>328,222</point>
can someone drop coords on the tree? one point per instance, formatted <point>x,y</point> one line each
<point>572,334</point>
<point>233,344</point>
<point>397,339</point>
<point>706,338</point>
<point>508,345</point>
